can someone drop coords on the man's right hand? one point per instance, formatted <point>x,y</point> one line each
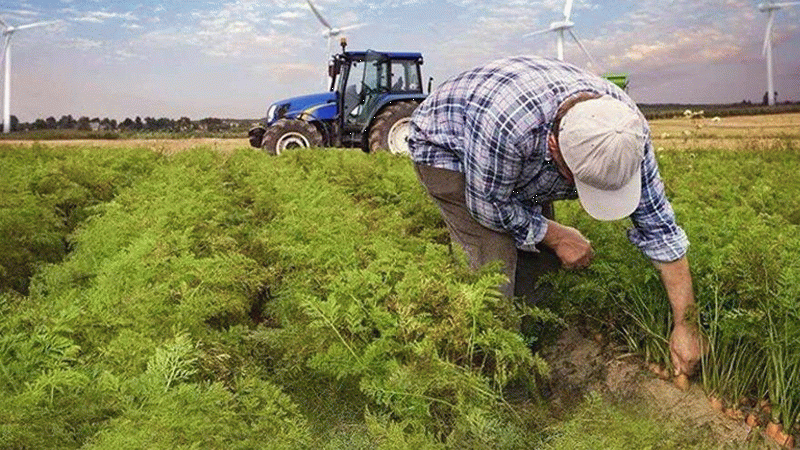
<point>572,248</point>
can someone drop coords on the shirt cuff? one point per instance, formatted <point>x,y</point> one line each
<point>663,248</point>
<point>536,233</point>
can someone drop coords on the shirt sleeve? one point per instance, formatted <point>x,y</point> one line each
<point>655,231</point>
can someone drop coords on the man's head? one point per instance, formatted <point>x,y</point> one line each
<point>602,143</point>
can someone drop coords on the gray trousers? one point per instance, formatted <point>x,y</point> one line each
<point>482,244</point>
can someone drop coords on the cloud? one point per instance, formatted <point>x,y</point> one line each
<point>103,16</point>
<point>82,44</point>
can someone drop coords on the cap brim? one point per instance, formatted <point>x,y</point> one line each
<point>611,205</point>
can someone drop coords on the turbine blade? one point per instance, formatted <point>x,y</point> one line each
<point>768,32</point>
<point>567,10</point>
<point>585,52</point>
<point>3,22</point>
<point>534,33</point>
<point>785,4</point>
<point>319,16</point>
<point>352,27</point>
<point>37,24</point>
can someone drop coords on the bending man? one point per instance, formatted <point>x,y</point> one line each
<point>495,145</point>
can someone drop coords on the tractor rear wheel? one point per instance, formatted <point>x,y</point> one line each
<point>290,133</point>
<point>391,128</point>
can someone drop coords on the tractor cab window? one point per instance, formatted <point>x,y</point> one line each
<point>366,80</point>
<point>352,90</point>
<point>376,73</point>
<point>405,76</point>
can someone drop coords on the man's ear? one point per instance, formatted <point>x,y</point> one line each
<point>552,146</point>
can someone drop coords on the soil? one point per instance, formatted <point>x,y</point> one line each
<point>580,365</point>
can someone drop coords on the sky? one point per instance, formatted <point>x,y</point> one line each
<point>231,59</point>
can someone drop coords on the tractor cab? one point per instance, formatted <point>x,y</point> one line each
<point>366,82</point>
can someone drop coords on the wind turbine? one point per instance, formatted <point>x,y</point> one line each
<point>9,31</point>
<point>331,31</point>
<point>559,27</point>
<point>770,8</point>
<point>565,25</point>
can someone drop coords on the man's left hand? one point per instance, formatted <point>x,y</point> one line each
<point>686,347</point>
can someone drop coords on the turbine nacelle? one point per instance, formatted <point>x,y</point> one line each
<point>562,25</point>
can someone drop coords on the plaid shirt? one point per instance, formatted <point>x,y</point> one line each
<point>492,123</point>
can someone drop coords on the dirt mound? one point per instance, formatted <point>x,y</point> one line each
<point>580,365</point>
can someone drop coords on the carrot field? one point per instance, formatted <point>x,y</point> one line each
<point>201,294</point>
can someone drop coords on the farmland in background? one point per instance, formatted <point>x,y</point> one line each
<point>227,299</point>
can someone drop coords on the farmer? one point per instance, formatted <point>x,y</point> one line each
<point>495,145</point>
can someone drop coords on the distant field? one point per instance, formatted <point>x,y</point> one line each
<point>767,131</point>
<point>762,132</point>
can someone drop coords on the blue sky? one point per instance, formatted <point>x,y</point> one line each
<point>230,59</point>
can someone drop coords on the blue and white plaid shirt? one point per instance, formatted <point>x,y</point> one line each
<point>492,123</point>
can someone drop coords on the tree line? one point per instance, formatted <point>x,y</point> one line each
<point>163,124</point>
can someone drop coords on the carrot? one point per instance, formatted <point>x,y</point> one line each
<point>716,403</point>
<point>682,382</point>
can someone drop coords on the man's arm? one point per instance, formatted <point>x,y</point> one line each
<point>686,343</point>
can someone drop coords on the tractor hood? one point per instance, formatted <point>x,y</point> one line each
<point>312,107</point>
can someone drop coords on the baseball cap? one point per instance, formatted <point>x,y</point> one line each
<point>602,142</point>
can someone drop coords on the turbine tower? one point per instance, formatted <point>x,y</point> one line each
<point>8,32</point>
<point>770,8</point>
<point>559,27</point>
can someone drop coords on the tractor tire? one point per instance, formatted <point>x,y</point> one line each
<point>390,130</point>
<point>290,133</point>
<point>256,136</point>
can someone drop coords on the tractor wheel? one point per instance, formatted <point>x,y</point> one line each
<point>391,128</point>
<point>256,136</point>
<point>290,133</point>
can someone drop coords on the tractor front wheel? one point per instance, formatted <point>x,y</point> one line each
<point>391,129</point>
<point>290,133</point>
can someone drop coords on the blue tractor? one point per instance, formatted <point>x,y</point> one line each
<point>369,105</point>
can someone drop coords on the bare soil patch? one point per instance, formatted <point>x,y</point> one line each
<point>580,365</point>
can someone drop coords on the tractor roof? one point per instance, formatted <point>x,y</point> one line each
<point>390,55</point>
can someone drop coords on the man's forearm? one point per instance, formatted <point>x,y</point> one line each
<point>677,281</point>
<point>686,343</point>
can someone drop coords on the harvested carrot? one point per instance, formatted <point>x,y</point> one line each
<point>716,403</point>
<point>682,382</point>
<point>734,413</point>
<point>773,430</point>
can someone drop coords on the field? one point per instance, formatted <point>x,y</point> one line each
<point>200,294</point>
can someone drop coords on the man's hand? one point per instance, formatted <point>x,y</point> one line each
<point>574,250</point>
<point>686,346</point>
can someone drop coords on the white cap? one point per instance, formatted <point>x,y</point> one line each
<point>602,142</point>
